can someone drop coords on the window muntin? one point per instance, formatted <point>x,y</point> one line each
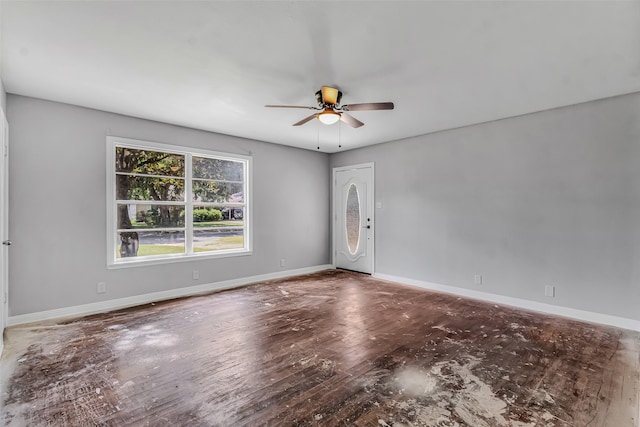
<point>170,203</point>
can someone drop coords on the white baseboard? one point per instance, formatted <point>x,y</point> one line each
<point>587,316</point>
<point>116,304</point>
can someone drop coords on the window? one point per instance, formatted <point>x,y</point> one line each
<point>175,203</point>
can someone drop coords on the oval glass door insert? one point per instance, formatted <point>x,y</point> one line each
<point>352,219</point>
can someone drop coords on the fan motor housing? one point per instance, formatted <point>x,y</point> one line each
<point>321,101</point>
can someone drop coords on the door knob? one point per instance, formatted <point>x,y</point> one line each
<point>7,242</point>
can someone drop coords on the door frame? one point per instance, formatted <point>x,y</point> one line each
<point>4,225</point>
<point>334,214</point>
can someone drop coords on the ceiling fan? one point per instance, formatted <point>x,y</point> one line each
<point>331,111</point>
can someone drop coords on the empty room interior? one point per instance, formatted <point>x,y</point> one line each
<point>319,213</point>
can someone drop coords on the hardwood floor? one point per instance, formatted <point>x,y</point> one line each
<point>330,349</point>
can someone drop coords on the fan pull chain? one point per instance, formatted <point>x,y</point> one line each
<point>318,129</point>
<point>339,135</point>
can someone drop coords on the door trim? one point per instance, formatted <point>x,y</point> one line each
<point>334,214</point>
<point>4,225</point>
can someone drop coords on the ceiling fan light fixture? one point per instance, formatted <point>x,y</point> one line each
<point>329,110</point>
<point>328,117</point>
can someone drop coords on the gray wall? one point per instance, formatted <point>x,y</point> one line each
<point>547,198</point>
<point>58,207</point>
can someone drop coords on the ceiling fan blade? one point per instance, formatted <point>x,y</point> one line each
<point>369,106</point>
<point>291,106</point>
<point>350,120</point>
<point>330,95</point>
<point>305,120</point>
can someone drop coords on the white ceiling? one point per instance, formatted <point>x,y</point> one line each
<point>213,65</point>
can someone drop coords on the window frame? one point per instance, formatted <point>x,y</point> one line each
<point>189,203</point>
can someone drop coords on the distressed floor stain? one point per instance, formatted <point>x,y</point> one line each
<point>328,349</point>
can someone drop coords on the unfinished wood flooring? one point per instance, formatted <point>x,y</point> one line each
<point>328,349</point>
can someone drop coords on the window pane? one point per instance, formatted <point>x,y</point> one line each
<point>218,192</point>
<point>352,216</point>
<point>146,188</point>
<point>151,200</point>
<point>149,162</point>
<point>217,240</point>
<point>224,170</point>
<point>149,243</point>
<point>150,216</point>
<point>217,217</point>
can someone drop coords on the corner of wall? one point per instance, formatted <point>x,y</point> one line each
<point>3,96</point>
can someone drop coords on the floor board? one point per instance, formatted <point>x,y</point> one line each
<point>329,349</point>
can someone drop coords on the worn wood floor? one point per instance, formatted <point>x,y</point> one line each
<point>329,349</point>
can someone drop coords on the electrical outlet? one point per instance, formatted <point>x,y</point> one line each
<point>196,275</point>
<point>477,279</point>
<point>549,291</point>
<point>101,288</point>
<point>282,262</point>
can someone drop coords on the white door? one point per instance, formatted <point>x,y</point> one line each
<point>353,218</point>
<point>4,221</point>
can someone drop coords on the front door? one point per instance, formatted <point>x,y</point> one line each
<point>353,218</point>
